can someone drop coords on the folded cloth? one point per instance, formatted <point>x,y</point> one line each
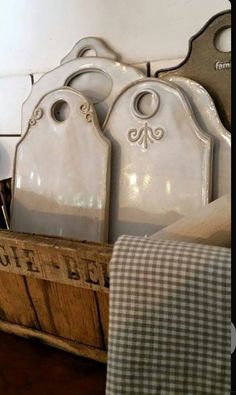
<point>169,318</point>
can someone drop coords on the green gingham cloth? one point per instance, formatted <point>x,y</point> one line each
<point>169,318</point>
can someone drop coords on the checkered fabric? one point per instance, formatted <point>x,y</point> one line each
<point>169,318</point>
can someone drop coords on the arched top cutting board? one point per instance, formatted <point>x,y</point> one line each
<point>208,66</point>
<point>99,79</point>
<point>61,173</point>
<point>161,161</point>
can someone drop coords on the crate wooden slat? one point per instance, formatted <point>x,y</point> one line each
<point>63,344</point>
<point>55,290</point>
<point>77,263</point>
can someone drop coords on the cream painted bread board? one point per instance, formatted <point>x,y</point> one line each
<point>61,172</point>
<point>161,162</point>
<point>208,119</point>
<point>100,79</point>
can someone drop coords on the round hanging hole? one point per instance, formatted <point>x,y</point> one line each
<point>60,111</point>
<point>146,103</point>
<point>222,40</point>
<point>94,84</point>
<point>87,52</point>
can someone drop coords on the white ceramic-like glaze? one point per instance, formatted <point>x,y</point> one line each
<point>99,46</point>
<point>91,76</point>
<point>61,172</point>
<point>208,119</point>
<point>161,165</point>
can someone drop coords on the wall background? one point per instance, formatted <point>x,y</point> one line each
<point>36,34</point>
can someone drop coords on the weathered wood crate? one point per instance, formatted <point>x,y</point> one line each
<point>56,291</point>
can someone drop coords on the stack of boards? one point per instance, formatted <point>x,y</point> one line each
<point>106,151</point>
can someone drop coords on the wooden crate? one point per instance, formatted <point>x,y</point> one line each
<point>56,291</point>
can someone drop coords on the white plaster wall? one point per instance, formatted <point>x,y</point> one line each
<point>36,34</point>
<point>13,91</point>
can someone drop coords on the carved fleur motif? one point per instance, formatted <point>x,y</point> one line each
<point>85,109</point>
<point>145,135</point>
<point>37,114</point>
